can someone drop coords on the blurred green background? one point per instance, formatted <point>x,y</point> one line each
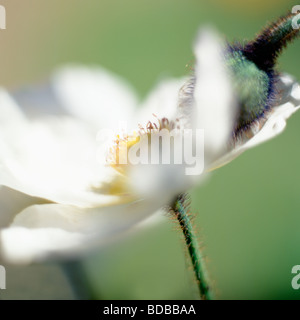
<point>248,212</point>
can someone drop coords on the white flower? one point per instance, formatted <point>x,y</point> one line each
<point>49,171</point>
<point>57,201</point>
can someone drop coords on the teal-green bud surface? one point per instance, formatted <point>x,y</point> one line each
<point>254,73</point>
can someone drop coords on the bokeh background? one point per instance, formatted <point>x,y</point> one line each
<point>248,212</point>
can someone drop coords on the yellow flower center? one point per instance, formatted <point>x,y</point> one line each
<point>118,157</point>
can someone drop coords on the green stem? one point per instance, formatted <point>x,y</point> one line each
<point>181,211</point>
<point>78,280</point>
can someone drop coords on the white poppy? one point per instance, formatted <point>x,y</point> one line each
<point>57,201</point>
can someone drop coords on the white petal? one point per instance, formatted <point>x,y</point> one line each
<point>11,116</point>
<point>161,102</point>
<point>44,232</point>
<point>39,100</point>
<point>95,95</point>
<point>160,180</point>
<point>215,101</point>
<point>55,159</point>
<point>11,203</point>
<point>23,246</point>
<point>274,124</point>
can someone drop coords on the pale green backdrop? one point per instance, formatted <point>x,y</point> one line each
<point>248,213</point>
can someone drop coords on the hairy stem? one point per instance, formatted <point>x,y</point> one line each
<point>267,46</point>
<point>180,208</point>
